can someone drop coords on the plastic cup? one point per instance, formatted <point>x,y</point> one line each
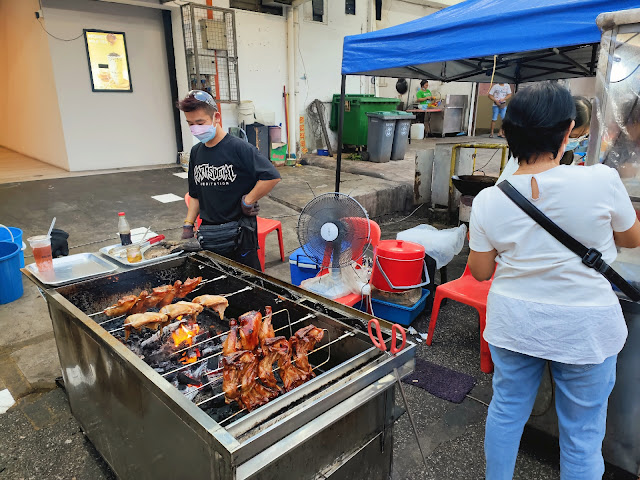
<point>41,247</point>
<point>134,255</point>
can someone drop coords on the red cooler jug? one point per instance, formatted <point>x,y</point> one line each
<point>398,266</point>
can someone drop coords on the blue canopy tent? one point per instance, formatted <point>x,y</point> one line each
<point>526,40</point>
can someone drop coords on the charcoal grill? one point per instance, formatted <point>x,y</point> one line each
<point>337,425</point>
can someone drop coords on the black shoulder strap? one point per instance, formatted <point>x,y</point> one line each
<point>590,256</point>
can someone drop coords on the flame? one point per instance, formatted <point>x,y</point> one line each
<point>184,335</point>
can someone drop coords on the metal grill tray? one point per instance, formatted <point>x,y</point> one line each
<point>123,261</point>
<point>73,268</point>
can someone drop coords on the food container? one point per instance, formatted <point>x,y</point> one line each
<point>398,266</point>
<point>393,312</point>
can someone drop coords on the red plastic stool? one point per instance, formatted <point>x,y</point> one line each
<point>469,291</point>
<point>266,226</point>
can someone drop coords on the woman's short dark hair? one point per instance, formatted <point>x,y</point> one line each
<point>422,82</point>
<point>583,111</point>
<point>537,120</point>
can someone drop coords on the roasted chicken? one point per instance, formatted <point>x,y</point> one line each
<point>122,307</point>
<point>231,368</point>
<point>230,345</point>
<point>149,320</point>
<point>252,393</point>
<point>170,293</point>
<point>188,286</point>
<point>250,324</point>
<point>266,329</point>
<point>138,306</point>
<point>273,350</point>
<point>291,375</point>
<point>176,310</point>
<point>302,342</point>
<point>215,302</point>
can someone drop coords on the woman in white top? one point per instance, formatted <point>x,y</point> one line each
<point>544,303</point>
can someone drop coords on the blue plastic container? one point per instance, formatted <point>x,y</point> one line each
<point>17,239</point>
<point>301,267</point>
<point>10,276</point>
<point>396,313</point>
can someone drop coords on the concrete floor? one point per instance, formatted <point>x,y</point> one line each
<point>42,440</point>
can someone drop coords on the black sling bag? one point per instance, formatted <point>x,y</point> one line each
<point>591,257</point>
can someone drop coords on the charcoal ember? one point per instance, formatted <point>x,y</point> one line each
<point>190,392</point>
<point>211,349</point>
<point>185,379</point>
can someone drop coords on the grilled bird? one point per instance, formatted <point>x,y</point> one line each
<point>170,293</point>
<point>158,294</point>
<point>230,345</point>
<point>122,307</point>
<point>302,342</point>
<point>291,375</point>
<point>273,349</point>
<point>266,329</point>
<point>138,306</point>
<point>252,393</point>
<point>215,302</point>
<point>188,286</point>
<point>231,368</point>
<point>250,324</point>
<point>149,320</point>
<point>182,308</point>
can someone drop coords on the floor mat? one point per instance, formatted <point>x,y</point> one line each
<point>440,381</point>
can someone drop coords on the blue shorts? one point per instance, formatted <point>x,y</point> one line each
<point>497,110</point>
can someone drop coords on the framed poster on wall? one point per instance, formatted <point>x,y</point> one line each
<point>108,61</point>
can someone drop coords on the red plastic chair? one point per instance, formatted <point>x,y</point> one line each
<point>266,226</point>
<point>374,238</point>
<point>469,291</point>
<point>198,219</point>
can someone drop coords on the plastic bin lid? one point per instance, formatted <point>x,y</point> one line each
<point>400,250</point>
<point>383,115</point>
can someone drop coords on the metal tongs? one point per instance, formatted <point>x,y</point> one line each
<point>378,341</point>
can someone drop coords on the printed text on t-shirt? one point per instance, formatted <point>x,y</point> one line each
<point>210,175</point>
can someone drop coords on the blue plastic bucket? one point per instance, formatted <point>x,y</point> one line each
<point>10,276</point>
<point>5,236</point>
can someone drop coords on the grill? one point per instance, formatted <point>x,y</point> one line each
<point>147,421</point>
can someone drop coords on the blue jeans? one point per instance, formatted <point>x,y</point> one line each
<point>582,392</point>
<point>497,110</point>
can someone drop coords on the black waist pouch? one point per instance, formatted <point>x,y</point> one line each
<point>248,238</point>
<point>222,238</point>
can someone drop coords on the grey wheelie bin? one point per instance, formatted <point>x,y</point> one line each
<point>380,136</point>
<point>401,134</point>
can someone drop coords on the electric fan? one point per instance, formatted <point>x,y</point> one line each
<point>333,230</point>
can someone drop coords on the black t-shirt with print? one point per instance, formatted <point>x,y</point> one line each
<point>220,175</point>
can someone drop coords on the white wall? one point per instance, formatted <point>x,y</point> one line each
<point>30,120</point>
<point>112,129</point>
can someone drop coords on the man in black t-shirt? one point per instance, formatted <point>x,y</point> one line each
<point>227,177</point>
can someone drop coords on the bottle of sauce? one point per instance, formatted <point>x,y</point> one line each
<point>124,229</point>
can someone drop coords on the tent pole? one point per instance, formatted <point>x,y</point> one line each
<point>343,86</point>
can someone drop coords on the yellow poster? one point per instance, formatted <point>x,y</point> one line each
<point>108,61</point>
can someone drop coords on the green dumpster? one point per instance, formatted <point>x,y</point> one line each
<point>356,108</point>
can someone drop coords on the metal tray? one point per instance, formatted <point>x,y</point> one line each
<point>72,268</point>
<point>123,261</point>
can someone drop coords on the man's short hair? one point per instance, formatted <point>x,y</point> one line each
<point>190,103</point>
<point>537,120</point>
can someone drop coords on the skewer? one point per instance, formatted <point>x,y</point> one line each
<point>112,319</point>
<point>347,334</point>
<point>200,285</point>
<point>226,295</point>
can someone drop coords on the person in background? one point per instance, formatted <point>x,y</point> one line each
<point>227,177</point>
<point>578,135</point>
<point>424,94</point>
<point>544,304</point>
<point>499,94</point>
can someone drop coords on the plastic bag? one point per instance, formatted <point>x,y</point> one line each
<point>441,245</point>
<point>339,282</point>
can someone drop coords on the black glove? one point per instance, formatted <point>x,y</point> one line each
<point>249,210</point>
<point>59,244</point>
<point>187,231</point>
